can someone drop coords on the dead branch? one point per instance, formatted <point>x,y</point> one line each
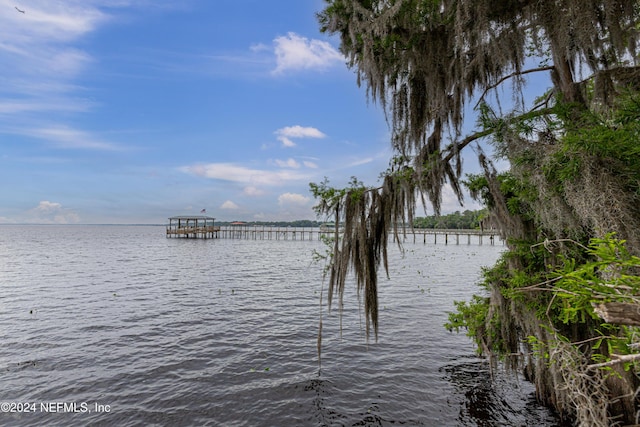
<point>616,359</point>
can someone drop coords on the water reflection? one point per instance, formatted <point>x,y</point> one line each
<point>325,392</point>
<point>493,397</point>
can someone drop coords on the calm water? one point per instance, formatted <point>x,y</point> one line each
<point>160,331</point>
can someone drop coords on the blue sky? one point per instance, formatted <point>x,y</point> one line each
<point>131,111</point>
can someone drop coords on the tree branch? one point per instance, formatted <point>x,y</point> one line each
<point>468,140</point>
<point>480,134</point>
<point>615,359</point>
<point>515,73</point>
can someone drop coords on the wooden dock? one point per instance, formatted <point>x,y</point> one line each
<point>192,227</point>
<point>447,236</point>
<point>261,232</point>
<point>202,227</point>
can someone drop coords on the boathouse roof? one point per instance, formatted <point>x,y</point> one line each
<point>192,217</point>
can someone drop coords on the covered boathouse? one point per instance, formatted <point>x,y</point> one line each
<point>194,227</point>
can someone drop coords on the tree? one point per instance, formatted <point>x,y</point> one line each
<point>465,220</point>
<point>574,174</point>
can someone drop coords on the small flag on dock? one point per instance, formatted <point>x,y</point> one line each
<point>203,211</point>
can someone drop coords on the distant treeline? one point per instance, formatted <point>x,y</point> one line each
<point>457,220</point>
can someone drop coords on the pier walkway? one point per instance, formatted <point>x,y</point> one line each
<point>202,227</point>
<point>424,235</point>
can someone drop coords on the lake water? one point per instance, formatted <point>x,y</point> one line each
<point>118,325</point>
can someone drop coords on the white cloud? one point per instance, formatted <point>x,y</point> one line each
<point>300,132</point>
<point>286,142</point>
<point>294,52</point>
<point>252,191</point>
<point>241,174</point>
<point>229,205</point>
<point>46,206</point>
<point>289,163</point>
<point>288,199</point>
<point>286,134</point>
<point>52,213</point>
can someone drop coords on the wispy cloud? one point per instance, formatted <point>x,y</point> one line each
<point>241,174</point>
<point>294,206</point>
<point>294,53</point>
<point>288,133</point>
<point>289,163</point>
<point>310,164</point>
<point>39,42</point>
<point>295,164</point>
<point>259,47</point>
<point>360,162</point>
<point>44,47</point>
<point>69,138</point>
<point>61,104</point>
<point>252,191</point>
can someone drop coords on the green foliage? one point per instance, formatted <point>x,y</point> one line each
<point>517,192</point>
<point>326,255</point>
<point>609,139</point>
<point>528,276</point>
<point>609,274</point>
<point>478,187</point>
<point>573,156</point>
<point>329,198</point>
<point>472,316</point>
<point>489,120</point>
<point>606,272</point>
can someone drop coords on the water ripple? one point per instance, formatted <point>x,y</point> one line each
<point>223,332</point>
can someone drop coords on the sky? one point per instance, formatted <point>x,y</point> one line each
<point>132,111</point>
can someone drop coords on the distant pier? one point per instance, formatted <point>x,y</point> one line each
<point>447,236</point>
<point>180,227</point>
<point>192,227</point>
